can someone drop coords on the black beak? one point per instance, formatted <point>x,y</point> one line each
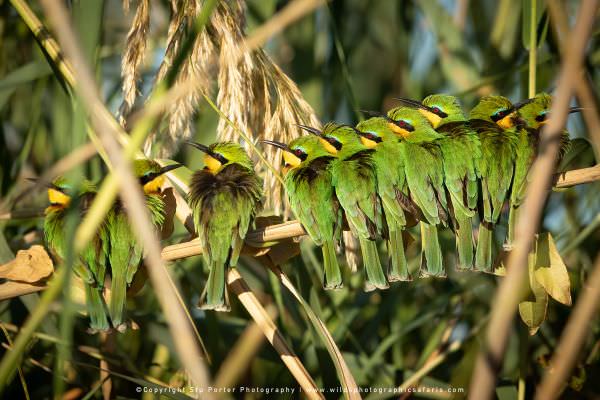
<point>46,185</point>
<point>417,104</point>
<point>372,113</point>
<point>168,168</point>
<point>575,109</point>
<point>522,103</point>
<point>279,145</point>
<point>199,146</point>
<point>310,129</point>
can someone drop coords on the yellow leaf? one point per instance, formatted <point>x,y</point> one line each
<point>533,311</point>
<point>551,271</point>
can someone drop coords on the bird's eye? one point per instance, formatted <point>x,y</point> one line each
<point>300,154</point>
<point>541,117</point>
<point>436,110</point>
<point>498,115</point>
<point>334,142</point>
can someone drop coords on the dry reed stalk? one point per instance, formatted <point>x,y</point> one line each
<point>510,290</point>
<point>238,285</point>
<point>584,91</point>
<point>132,197</point>
<point>133,57</point>
<point>572,338</point>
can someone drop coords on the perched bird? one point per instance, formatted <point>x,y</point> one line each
<point>355,183</point>
<point>424,170</point>
<point>495,120</point>
<point>308,183</point>
<point>90,264</point>
<point>126,252</point>
<point>225,196</point>
<point>461,151</point>
<point>533,115</point>
<point>392,188</point>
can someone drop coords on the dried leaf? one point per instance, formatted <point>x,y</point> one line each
<point>533,312</point>
<point>30,266</point>
<point>551,271</point>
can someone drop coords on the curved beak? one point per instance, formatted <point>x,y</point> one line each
<point>522,103</point>
<point>279,145</point>
<point>575,109</point>
<point>309,129</point>
<point>372,113</point>
<point>418,105</point>
<point>168,168</point>
<point>199,146</point>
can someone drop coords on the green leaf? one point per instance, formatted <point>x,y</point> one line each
<point>533,311</point>
<point>27,73</point>
<point>551,271</point>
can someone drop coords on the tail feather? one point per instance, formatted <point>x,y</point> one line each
<point>374,270</point>
<point>484,256</point>
<point>215,296</point>
<point>513,214</point>
<point>464,243</point>
<point>397,267</point>
<point>432,260</point>
<point>118,297</point>
<point>333,274</point>
<point>96,308</point>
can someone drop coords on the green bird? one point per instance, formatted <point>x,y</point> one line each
<point>90,264</point>
<point>461,151</point>
<point>308,183</point>
<point>392,188</point>
<point>126,252</point>
<point>225,197</point>
<point>495,120</point>
<point>355,183</point>
<point>425,177</point>
<point>534,115</point>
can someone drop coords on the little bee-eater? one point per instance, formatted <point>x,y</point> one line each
<point>308,184</point>
<point>425,177</point>
<point>461,151</point>
<point>355,183</point>
<point>495,120</point>
<point>126,252</point>
<point>225,196</point>
<point>534,114</point>
<point>90,264</point>
<point>392,188</point>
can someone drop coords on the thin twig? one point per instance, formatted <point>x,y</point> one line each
<point>572,338</point>
<point>510,290</point>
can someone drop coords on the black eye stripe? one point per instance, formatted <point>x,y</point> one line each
<point>540,118</point>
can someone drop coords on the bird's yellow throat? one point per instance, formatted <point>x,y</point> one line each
<point>433,119</point>
<point>508,121</point>
<point>399,131</point>
<point>155,185</point>
<point>212,164</point>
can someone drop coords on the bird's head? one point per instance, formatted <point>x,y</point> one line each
<point>496,109</point>
<point>375,130</point>
<point>59,194</point>
<point>535,112</point>
<point>405,121</point>
<point>221,154</point>
<point>300,150</point>
<point>339,136</point>
<point>437,108</point>
<point>151,175</point>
